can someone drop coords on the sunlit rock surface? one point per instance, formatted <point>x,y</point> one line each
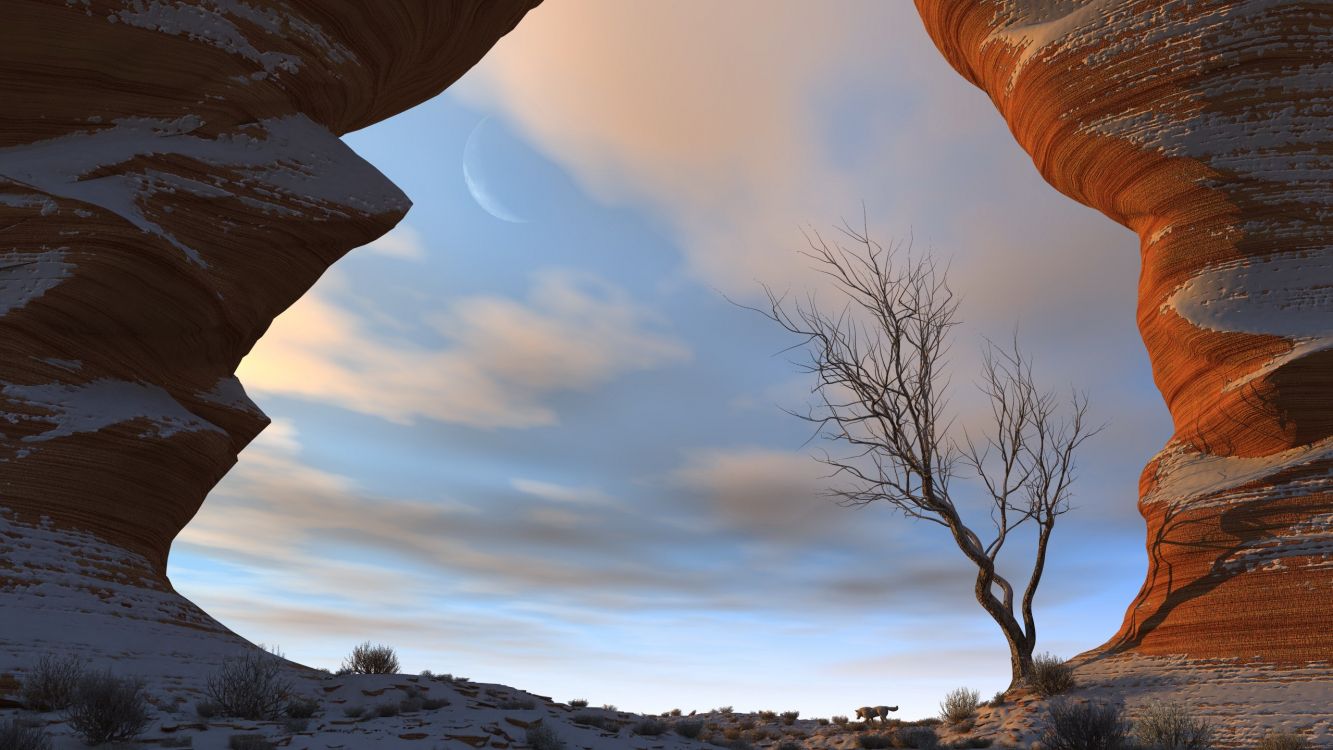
<point>171,179</point>
<point>1207,128</point>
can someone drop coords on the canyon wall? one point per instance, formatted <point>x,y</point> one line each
<point>1207,128</point>
<point>171,179</point>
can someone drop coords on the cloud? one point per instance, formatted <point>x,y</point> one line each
<point>403,242</point>
<point>560,493</point>
<point>770,493</point>
<point>503,357</point>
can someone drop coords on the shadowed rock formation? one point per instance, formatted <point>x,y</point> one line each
<point>171,179</point>
<point>1207,128</point>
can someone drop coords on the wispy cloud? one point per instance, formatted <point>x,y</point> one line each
<point>502,359</point>
<point>403,242</point>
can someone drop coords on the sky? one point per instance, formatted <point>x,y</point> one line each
<point>531,437</point>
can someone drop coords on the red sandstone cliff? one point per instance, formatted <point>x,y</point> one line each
<point>1207,128</point>
<point>171,179</point>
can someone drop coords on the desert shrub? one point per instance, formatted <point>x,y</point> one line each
<point>15,735</point>
<point>353,712</point>
<point>959,705</point>
<point>433,704</point>
<point>51,684</point>
<point>1051,675</point>
<point>207,709</point>
<point>918,737</point>
<point>294,726</point>
<point>302,708</point>
<point>1282,741</point>
<point>790,717</point>
<point>1171,726</point>
<point>768,715</point>
<point>518,704</point>
<point>650,728</point>
<point>874,741</point>
<point>689,729</point>
<point>1084,726</point>
<point>724,710</point>
<point>542,737</point>
<point>369,658</point>
<point>106,708</point>
<point>411,705</point>
<point>249,742</point>
<point>732,733</point>
<point>997,699</point>
<point>609,707</point>
<point>250,686</point>
<point>674,712</point>
<point>387,709</point>
<point>747,723</point>
<point>839,720</point>
<point>578,703</point>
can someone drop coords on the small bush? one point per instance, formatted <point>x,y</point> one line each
<point>578,703</point>
<point>1051,675</point>
<point>385,710</point>
<point>293,726</point>
<point>353,712</point>
<point>250,686</point>
<point>15,735</point>
<point>874,741</point>
<point>369,658</point>
<point>1281,741</point>
<point>689,729</point>
<point>106,708</point>
<point>411,705</point>
<point>839,720</point>
<point>426,673</point>
<point>790,717</point>
<point>51,684</point>
<point>609,707</point>
<point>1172,726</point>
<point>917,737</point>
<point>1084,726</point>
<point>768,715</point>
<point>302,708</point>
<point>207,709</point>
<point>747,723</point>
<point>724,710</point>
<point>674,712</point>
<point>959,705</point>
<point>518,704</point>
<point>650,728</point>
<point>433,704</point>
<point>249,742</point>
<point>544,738</point>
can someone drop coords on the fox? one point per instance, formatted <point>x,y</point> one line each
<point>870,712</point>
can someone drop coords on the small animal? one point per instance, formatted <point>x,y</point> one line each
<point>870,712</point>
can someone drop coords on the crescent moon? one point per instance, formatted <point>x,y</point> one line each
<point>476,180</point>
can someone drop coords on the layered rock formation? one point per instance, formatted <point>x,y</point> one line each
<point>171,179</point>
<point>1207,128</point>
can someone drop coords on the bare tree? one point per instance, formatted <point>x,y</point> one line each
<point>879,365</point>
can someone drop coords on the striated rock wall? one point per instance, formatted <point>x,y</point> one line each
<point>171,179</point>
<point>1207,128</point>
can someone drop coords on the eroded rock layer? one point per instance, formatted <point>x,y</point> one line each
<point>171,179</point>
<point>1207,128</point>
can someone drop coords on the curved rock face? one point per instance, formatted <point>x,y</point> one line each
<point>1207,128</point>
<point>171,179</point>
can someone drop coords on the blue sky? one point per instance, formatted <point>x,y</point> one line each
<point>553,454</point>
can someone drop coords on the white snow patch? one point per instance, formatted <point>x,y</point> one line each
<point>89,407</point>
<point>26,276</point>
<point>229,392</point>
<point>1187,476</point>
